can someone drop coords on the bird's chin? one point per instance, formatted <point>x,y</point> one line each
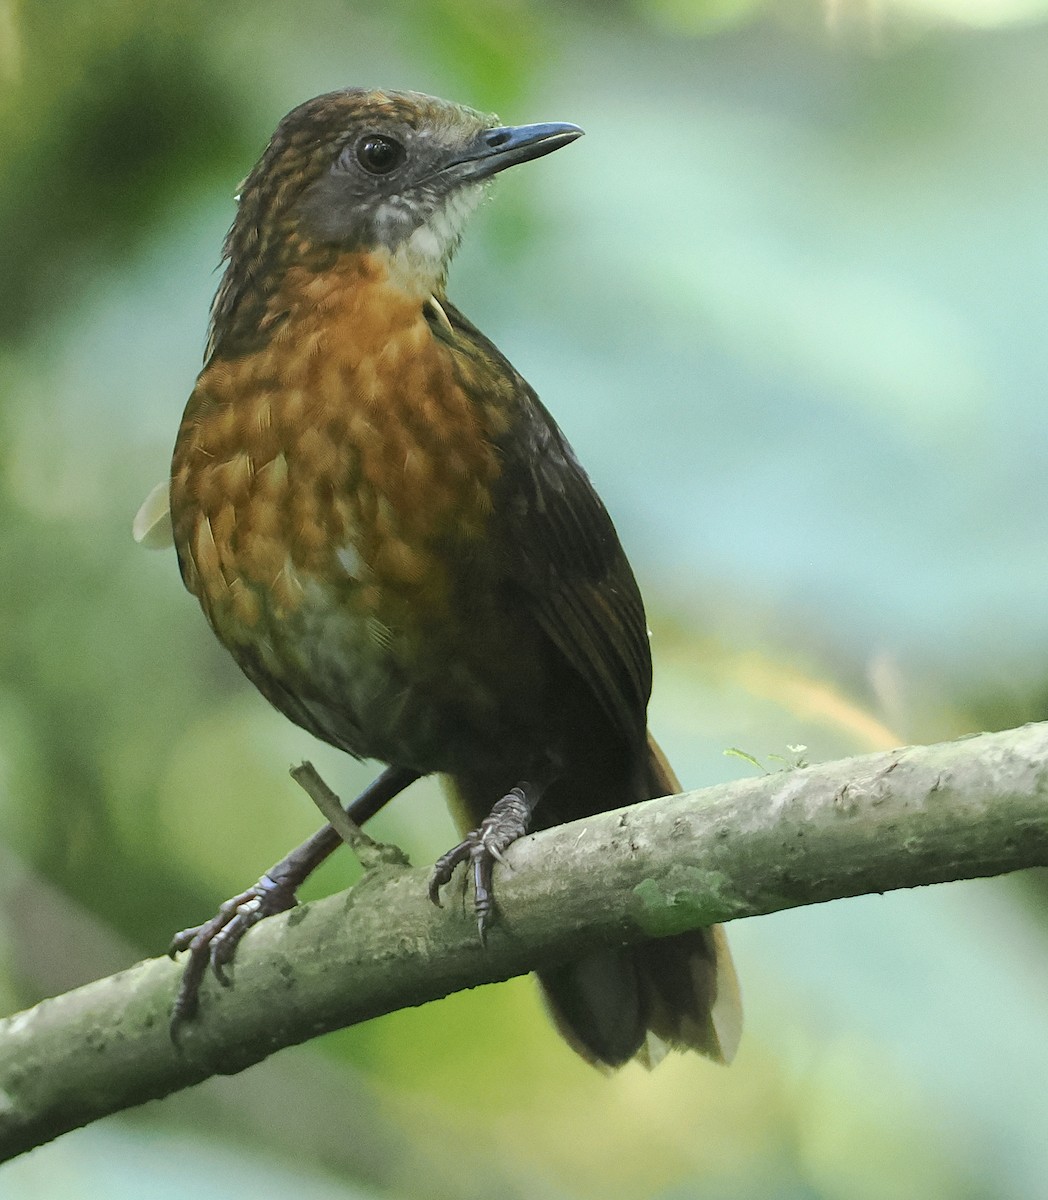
<point>419,260</point>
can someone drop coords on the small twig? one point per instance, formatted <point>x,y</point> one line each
<point>369,853</point>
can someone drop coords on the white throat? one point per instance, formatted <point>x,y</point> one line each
<point>420,262</point>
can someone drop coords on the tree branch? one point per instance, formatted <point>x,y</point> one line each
<point>975,807</point>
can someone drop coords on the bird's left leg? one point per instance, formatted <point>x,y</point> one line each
<point>482,848</point>
<point>215,942</point>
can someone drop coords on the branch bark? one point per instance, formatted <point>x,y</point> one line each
<point>922,815</point>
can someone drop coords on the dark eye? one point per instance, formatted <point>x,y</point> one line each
<point>379,155</point>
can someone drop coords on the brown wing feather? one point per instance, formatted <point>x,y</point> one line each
<point>563,553</point>
<point>581,584</point>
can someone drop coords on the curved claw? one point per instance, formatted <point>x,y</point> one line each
<point>444,867</point>
<point>215,942</point>
<point>483,847</point>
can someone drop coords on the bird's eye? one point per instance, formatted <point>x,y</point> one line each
<point>379,155</point>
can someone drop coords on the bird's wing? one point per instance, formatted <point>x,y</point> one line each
<point>563,553</point>
<point>566,555</point>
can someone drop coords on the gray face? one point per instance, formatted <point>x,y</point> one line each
<point>399,159</point>
<point>386,181</point>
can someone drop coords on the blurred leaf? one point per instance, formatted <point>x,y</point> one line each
<point>733,752</point>
<point>700,18</point>
<point>103,134</point>
<point>490,46</point>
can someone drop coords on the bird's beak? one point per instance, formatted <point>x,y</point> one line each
<point>495,149</point>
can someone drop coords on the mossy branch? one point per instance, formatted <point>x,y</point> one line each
<point>970,808</point>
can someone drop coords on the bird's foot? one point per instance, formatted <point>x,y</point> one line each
<point>483,847</point>
<point>215,942</point>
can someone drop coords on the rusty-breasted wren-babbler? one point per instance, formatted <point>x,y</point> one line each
<point>396,543</point>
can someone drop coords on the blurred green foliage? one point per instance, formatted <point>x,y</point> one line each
<point>787,300</point>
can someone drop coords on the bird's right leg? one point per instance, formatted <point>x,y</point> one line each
<point>214,943</point>
<point>507,822</point>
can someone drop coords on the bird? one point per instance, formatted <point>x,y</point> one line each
<point>395,541</point>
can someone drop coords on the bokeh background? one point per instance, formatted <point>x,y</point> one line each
<point>788,300</point>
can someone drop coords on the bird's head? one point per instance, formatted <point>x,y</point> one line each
<point>396,172</point>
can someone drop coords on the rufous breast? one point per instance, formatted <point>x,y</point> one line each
<point>327,488</point>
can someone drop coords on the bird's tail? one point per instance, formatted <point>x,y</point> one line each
<point>678,992</point>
